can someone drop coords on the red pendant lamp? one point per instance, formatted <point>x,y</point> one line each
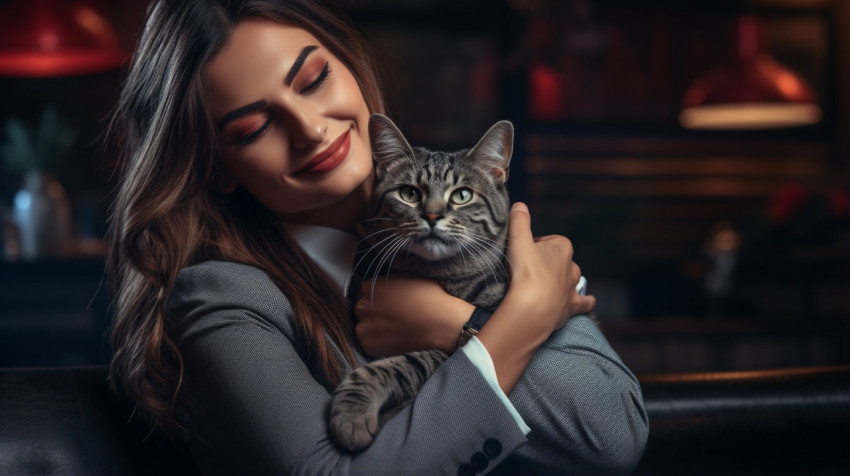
<point>47,38</point>
<point>755,92</point>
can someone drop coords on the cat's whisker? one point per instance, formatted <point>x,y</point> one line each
<point>461,247</point>
<point>379,255</point>
<point>492,278</point>
<point>488,243</point>
<point>478,254</point>
<point>366,220</point>
<point>483,238</point>
<point>473,253</point>
<point>366,238</point>
<point>365,251</point>
<point>368,250</point>
<point>390,264</point>
<point>376,262</point>
<point>386,253</point>
<point>474,248</point>
<point>386,259</point>
<point>493,254</point>
<point>501,256</point>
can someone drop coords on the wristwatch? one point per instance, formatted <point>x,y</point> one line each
<point>473,325</point>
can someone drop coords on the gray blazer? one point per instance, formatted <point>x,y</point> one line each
<point>261,410</point>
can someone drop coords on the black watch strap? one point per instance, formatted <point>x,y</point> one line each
<point>473,325</point>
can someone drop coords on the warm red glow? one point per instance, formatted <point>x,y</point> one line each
<point>761,81</point>
<point>48,41</point>
<point>546,100</point>
<point>65,63</point>
<point>754,92</point>
<point>42,38</point>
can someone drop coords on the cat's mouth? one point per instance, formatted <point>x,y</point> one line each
<point>433,246</point>
<point>435,234</point>
<point>434,237</point>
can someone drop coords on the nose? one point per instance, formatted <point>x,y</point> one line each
<point>432,218</point>
<point>308,126</point>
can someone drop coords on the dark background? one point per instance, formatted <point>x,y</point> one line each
<point>594,89</point>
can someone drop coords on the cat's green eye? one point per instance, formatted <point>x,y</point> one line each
<point>461,196</point>
<point>409,194</point>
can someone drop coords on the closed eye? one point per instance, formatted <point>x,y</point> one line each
<point>253,136</point>
<point>323,76</point>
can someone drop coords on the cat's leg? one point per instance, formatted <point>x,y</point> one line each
<point>373,392</point>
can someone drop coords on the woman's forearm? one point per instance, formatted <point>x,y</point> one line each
<point>512,342</point>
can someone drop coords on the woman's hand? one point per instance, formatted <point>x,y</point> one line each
<point>543,273</point>
<point>397,315</point>
<point>540,299</point>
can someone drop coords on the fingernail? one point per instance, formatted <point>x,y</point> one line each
<point>520,207</point>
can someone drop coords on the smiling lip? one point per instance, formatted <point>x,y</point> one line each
<point>328,159</point>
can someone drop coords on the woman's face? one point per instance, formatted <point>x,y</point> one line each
<point>292,120</point>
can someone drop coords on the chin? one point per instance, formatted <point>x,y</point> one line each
<point>432,249</point>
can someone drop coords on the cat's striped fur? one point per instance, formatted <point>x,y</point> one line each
<point>437,215</point>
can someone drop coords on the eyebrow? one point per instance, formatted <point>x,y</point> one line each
<point>299,62</point>
<point>290,76</point>
<point>239,112</point>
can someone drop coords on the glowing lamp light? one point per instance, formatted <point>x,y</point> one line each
<point>46,38</point>
<point>754,93</point>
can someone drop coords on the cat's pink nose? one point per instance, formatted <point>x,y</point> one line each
<point>432,217</point>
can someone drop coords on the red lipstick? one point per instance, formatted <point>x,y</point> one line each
<point>329,158</point>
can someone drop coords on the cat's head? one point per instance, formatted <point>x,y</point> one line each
<point>439,205</point>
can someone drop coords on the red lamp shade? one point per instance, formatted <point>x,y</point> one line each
<point>755,92</point>
<point>44,38</point>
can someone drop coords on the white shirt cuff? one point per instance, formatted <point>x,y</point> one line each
<point>479,356</point>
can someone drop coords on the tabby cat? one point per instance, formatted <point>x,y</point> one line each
<point>438,215</point>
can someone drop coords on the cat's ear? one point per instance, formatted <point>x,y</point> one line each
<point>388,143</point>
<point>495,148</point>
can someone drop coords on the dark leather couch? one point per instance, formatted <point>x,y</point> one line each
<point>66,421</point>
<point>788,421</point>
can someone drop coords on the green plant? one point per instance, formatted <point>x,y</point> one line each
<point>37,148</point>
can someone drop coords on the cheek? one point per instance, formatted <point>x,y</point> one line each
<point>348,98</point>
<point>262,165</point>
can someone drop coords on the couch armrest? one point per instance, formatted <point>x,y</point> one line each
<point>67,421</point>
<point>785,421</point>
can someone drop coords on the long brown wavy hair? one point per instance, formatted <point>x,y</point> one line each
<point>167,214</point>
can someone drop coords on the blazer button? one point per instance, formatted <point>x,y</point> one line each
<point>492,447</point>
<point>480,461</point>
<point>465,469</point>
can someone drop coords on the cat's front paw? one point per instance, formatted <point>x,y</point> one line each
<point>354,431</point>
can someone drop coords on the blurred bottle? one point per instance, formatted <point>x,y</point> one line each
<point>42,214</point>
<point>722,250</point>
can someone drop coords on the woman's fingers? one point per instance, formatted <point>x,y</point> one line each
<point>544,267</point>
<point>519,228</point>
<point>583,305</point>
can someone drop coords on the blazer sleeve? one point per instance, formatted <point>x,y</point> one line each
<point>584,406</point>
<point>261,410</point>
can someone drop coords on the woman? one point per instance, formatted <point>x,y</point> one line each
<point>247,165</point>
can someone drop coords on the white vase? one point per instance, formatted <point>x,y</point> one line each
<point>42,214</point>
